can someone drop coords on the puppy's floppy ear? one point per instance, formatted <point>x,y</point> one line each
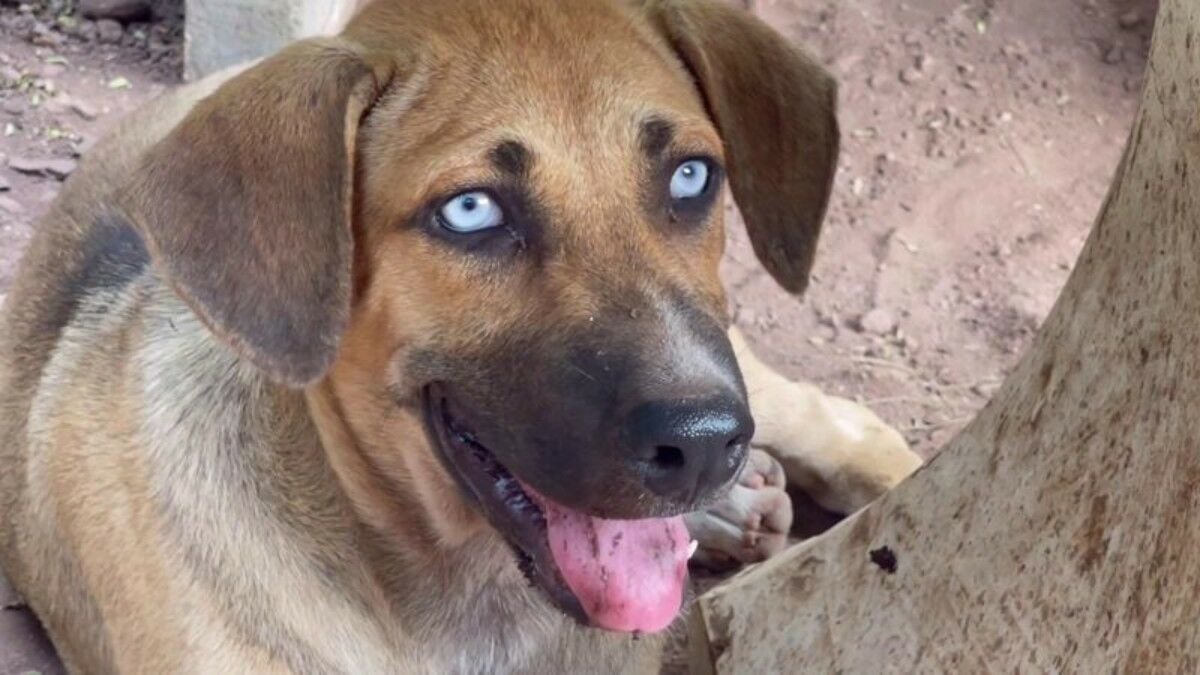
<point>775,108</point>
<point>246,205</point>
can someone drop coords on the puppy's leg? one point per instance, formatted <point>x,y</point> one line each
<point>748,525</point>
<point>837,451</point>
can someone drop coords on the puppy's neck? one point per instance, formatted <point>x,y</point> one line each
<point>379,507</point>
<point>382,459</point>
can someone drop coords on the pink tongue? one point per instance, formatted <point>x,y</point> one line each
<point>627,574</point>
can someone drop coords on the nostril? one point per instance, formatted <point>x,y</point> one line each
<point>736,451</point>
<point>684,448</point>
<point>737,446</point>
<point>668,457</point>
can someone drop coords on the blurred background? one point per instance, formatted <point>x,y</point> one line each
<point>979,139</point>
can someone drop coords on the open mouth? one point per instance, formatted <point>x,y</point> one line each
<point>619,575</point>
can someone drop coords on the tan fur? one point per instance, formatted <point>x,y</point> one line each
<point>836,450</point>
<point>170,502</point>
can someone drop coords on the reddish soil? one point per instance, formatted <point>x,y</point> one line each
<point>979,139</point>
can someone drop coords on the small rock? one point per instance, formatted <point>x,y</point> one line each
<point>42,36</point>
<point>82,109</point>
<point>1130,20</point>
<point>68,24</point>
<point>11,75</point>
<point>985,389</point>
<point>5,186</point>
<point>53,70</point>
<point>86,142</point>
<point>119,10</point>
<point>14,106</point>
<point>1114,56</point>
<point>57,168</point>
<point>109,31</point>
<point>879,321</point>
<point>911,76</point>
<point>829,319</point>
<point>11,206</point>
<point>88,31</point>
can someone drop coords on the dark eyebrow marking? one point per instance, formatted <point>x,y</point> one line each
<point>512,158</point>
<point>657,134</point>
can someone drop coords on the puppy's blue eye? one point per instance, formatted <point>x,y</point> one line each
<point>471,212</point>
<point>690,179</point>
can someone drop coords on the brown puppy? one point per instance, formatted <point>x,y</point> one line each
<point>405,351</point>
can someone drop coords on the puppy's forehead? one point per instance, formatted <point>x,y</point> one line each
<point>571,73</point>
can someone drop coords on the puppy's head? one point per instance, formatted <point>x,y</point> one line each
<point>504,219</point>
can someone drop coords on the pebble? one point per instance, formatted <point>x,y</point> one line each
<point>11,75</point>
<point>88,31</point>
<point>42,36</point>
<point>985,389</point>
<point>911,76</point>
<point>1114,56</point>
<point>82,109</point>
<point>57,168</point>
<point>86,142</point>
<point>1130,20</point>
<point>109,31</point>
<point>5,186</point>
<point>14,106</point>
<point>879,321</point>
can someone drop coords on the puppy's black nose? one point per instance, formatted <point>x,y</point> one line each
<point>685,449</point>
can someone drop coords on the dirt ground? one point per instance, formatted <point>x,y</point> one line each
<point>979,139</point>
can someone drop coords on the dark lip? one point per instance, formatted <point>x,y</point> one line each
<point>498,495</point>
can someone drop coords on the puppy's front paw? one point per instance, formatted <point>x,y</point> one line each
<point>750,524</point>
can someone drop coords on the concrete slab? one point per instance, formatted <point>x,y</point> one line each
<point>221,33</point>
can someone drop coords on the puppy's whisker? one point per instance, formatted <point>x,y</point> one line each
<point>583,372</point>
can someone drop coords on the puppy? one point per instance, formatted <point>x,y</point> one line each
<point>405,351</point>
